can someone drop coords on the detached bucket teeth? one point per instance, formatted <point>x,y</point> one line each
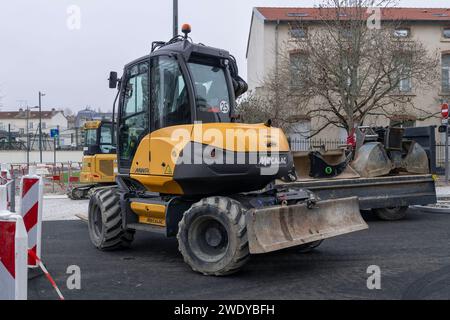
<point>280,227</point>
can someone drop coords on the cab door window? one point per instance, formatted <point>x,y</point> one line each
<point>106,141</point>
<point>170,99</point>
<point>134,113</point>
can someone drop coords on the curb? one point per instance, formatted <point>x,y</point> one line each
<point>435,210</point>
<point>56,196</point>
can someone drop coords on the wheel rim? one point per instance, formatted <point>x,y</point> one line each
<point>208,239</point>
<point>79,194</point>
<point>97,222</point>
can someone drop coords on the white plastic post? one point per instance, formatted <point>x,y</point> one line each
<point>13,254</point>
<point>31,197</point>
<point>6,179</point>
<point>32,170</point>
<point>4,174</point>
<point>3,199</point>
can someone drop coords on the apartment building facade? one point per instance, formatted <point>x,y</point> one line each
<point>16,121</point>
<point>271,28</point>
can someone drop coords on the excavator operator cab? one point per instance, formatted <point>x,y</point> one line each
<point>98,138</point>
<point>179,83</point>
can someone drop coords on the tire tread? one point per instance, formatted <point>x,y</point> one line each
<point>114,236</point>
<point>233,209</point>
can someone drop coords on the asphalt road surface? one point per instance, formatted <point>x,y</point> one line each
<point>413,255</point>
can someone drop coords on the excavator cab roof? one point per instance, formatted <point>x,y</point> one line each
<point>187,48</point>
<point>95,124</point>
<point>184,47</point>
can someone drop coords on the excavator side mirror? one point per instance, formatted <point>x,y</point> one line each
<point>113,80</point>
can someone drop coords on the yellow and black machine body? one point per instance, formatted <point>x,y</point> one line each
<point>99,164</point>
<point>188,168</point>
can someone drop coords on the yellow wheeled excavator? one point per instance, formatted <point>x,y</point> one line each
<point>99,162</point>
<point>188,168</point>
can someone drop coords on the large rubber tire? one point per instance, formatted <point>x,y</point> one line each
<point>212,236</point>
<point>391,214</point>
<point>105,221</point>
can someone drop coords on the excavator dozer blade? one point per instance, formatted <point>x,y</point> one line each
<point>275,228</point>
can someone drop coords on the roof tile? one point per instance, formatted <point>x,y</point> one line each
<point>388,14</point>
<point>22,114</point>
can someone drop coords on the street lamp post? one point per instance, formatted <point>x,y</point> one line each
<point>175,18</point>
<point>40,125</point>
<point>28,135</point>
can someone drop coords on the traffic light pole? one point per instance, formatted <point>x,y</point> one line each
<point>446,154</point>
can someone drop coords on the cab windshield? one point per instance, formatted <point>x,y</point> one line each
<point>104,143</point>
<point>90,137</point>
<point>212,96</point>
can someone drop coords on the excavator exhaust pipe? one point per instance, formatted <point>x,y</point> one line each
<point>275,228</point>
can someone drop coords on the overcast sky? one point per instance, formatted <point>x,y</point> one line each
<point>38,51</point>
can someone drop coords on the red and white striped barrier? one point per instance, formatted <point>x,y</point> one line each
<point>31,193</point>
<point>47,274</point>
<point>13,253</point>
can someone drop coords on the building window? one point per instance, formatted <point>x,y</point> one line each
<point>405,85</point>
<point>44,125</point>
<point>446,73</point>
<point>299,131</point>
<point>2,126</point>
<point>30,125</point>
<point>297,14</point>
<point>347,33</point>
<point>298,33</point>
<point>21,131</point>
<point>404,74</point>
<point>446,33</point>
<point>402,32</point>
<point>298,68</point>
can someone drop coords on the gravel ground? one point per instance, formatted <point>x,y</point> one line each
<point>59,207</point>
<point>62,208</point>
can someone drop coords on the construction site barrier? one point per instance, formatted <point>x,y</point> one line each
<point>13,253</point>
<point>31,194</point>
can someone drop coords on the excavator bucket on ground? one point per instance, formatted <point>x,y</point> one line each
<point>372,161</point>
<point>416,160</point>
<point>275,228</point>
<point>303,165</point>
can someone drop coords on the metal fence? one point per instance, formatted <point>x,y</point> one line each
<point>58,177</point>
<point>65,141</point>
<point>315,144</point>
<point>74,142</point>
<point>329,144</point>
<point>440,155</point>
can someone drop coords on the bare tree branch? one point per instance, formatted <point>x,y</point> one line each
<point>343,71</point>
